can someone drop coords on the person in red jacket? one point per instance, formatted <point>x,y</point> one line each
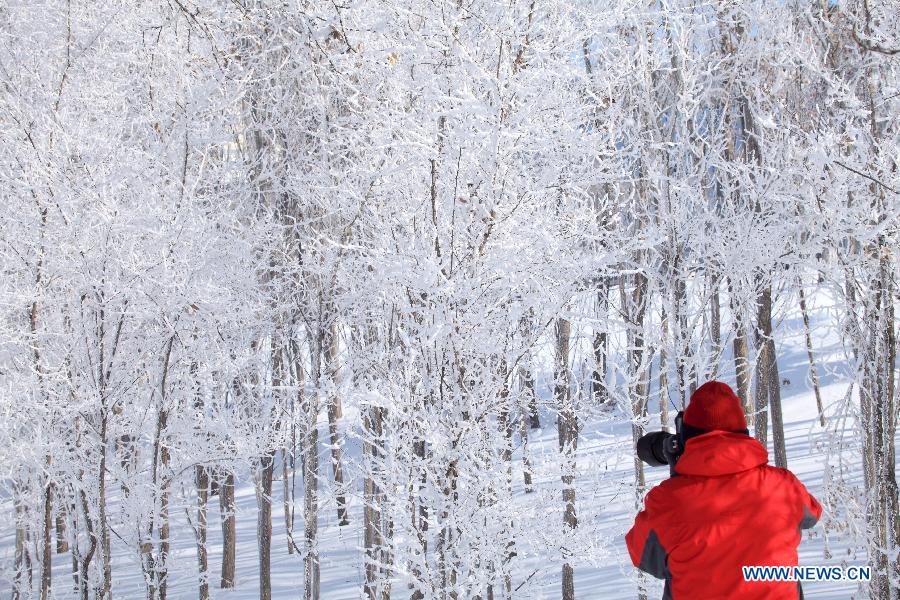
<point>723,509</point>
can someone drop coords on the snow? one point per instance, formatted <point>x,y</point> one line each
<point>605,503</point>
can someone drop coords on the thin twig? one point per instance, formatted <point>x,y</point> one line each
<point>869,177</point>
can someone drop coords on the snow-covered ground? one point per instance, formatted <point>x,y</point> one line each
<point>605,504</point>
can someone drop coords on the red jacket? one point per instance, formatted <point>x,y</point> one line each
<point>724,509</point>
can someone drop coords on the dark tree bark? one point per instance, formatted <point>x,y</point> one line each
<point>102,522</point>
<point>201,474</point>
<point>264,526</point>
<point>46,552</point>
<point>879,425</point>
<point>84,567</point>
<point>741,353</point>
<point>768,385</point>
<point>715,325</point>
<point>376,557</point>
<point>229,529</point>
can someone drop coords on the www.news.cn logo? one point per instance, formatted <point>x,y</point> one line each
<point>812,573</point>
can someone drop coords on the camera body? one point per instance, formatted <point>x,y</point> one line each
<point>659,448</point>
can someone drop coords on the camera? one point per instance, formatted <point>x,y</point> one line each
<point>659,448</point>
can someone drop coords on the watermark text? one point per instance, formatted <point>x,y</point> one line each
<point>809,573</point>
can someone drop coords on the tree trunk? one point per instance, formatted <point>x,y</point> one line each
<point>202,483</point>
<point>768,387</point>
<point>775,405</point>
<point>445,540</point>
<point>310,486</point>
<point>506,427</point>
<point>332,366</point>
<point>46,552</point>
<point>92,548</point>
<point>524,400</point>
<point>46,555</point>
<point>229,529</point>
<point>568,443</point>
<point>599,392</point>
<point>634,308</point>
<point>813,372</point>
<point>761,421</point>
<point>75,555</point>
<point>372,510</point>
<point>715,326</point>
<point>287,499</point>
<point>528,384</point>
<point>264,526</point>
<point>879,425</point>
<point>22,559</point>
<point>102,523</point>
<point>333,356</point>
<point>81,563</point>
<point>164,534</point>
<point>156,563</point>
<point>299,374</point>
<point>62,542</point>
<point>687,377</point>
<point>420,514</point>
<point>202,480</point>
<point>664,374</point>
<point>741,352</point>
<point>159,563</point>
<point>420,525</point>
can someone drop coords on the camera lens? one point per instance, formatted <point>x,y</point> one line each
<point>651,448</point>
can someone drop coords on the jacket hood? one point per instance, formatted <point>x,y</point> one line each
<point>720,453</point>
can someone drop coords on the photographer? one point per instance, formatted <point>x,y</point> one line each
<point>723,508</point>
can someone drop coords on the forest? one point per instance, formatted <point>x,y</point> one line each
<point>372,299</point>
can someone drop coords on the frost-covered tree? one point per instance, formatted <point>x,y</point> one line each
<point>431,227</point>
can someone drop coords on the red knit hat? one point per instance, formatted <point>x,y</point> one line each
<point>715,406</point>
